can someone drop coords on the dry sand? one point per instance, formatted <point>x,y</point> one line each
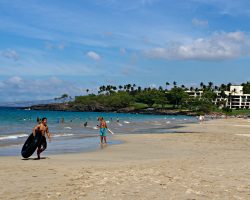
<point>213,162</point>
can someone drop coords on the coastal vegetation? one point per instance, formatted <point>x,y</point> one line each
<point>169,97</point>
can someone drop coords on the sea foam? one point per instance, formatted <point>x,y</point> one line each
<point>11,137</point>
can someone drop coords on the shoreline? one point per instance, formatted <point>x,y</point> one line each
<point>14,149</point>
<point>148,111</point>
<point>74,130</point>
<point>61,147</point>
<point>213,162</point>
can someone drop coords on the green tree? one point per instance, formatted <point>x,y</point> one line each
<point>64,96</point>
<point>118,100</point>
<point>176,96</point>
<point>210,85</point>
<point>175,83</point>
<point>148,97</point>
<point>246,88</point>
<point>167,84</point>
<point>160,88</point>
<point>201,85</point>
<point>228,86</point>
<point>209,95</point>
<point>160,98</point>
<point>223,87</point>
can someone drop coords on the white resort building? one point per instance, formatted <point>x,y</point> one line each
<point>235,98</point>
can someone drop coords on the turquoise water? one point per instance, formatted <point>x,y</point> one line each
<point>68,127</point>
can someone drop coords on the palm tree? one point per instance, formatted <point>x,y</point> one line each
<point>202,85</point>
<point>223,94</point>
<point>228,86</point>
<point>230,100</point>
<point>108,88</point>
<point>102,89</point>
<point>210,85</point>
<point>167,84</point>
<point>64,97</point>
<point>174,83</point>
<point>223,87</point>
<point>129,86</point>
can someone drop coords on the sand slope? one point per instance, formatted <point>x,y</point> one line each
<point>213,162</point>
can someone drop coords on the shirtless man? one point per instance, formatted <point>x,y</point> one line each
<point>42,128</point>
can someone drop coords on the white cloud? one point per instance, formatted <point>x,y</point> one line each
<point>15,80</point>
<point>93,55</point>
<point>17,89</point>
<point>10,54</point>
<point>44,62</point>
<point>219,46</point>
<point>198,22</point>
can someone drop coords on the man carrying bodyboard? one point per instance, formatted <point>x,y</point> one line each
<point>42,128</point>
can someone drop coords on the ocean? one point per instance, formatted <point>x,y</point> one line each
<point>68,130</point>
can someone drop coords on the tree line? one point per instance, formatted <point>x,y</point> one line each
<point>169,96</point>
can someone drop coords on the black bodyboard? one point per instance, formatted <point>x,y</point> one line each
<point>31,144</point>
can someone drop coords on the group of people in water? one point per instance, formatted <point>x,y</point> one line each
<point>42,128</point>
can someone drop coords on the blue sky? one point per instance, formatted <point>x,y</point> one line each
<point>52,47</point>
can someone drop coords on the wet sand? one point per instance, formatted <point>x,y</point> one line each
<point>204,161</point>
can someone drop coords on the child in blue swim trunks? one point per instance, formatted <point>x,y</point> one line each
<point>103,130</point>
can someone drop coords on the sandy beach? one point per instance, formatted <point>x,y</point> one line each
<point>203,161</point>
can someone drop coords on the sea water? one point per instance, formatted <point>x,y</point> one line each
<point>68,130</point>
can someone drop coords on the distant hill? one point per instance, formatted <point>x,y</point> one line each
<point>31,103</point>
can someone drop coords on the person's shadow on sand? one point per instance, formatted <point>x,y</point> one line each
<point>102,146</point>
<point>42,158</point>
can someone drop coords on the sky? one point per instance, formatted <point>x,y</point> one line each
<point>51,47</point>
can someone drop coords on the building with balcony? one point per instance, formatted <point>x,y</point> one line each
<point>234,99</point>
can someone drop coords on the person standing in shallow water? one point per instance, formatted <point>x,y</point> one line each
<point>42,128</point>
<point>103,130</point>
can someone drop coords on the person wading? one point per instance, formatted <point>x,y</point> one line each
<point>103,130</point>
